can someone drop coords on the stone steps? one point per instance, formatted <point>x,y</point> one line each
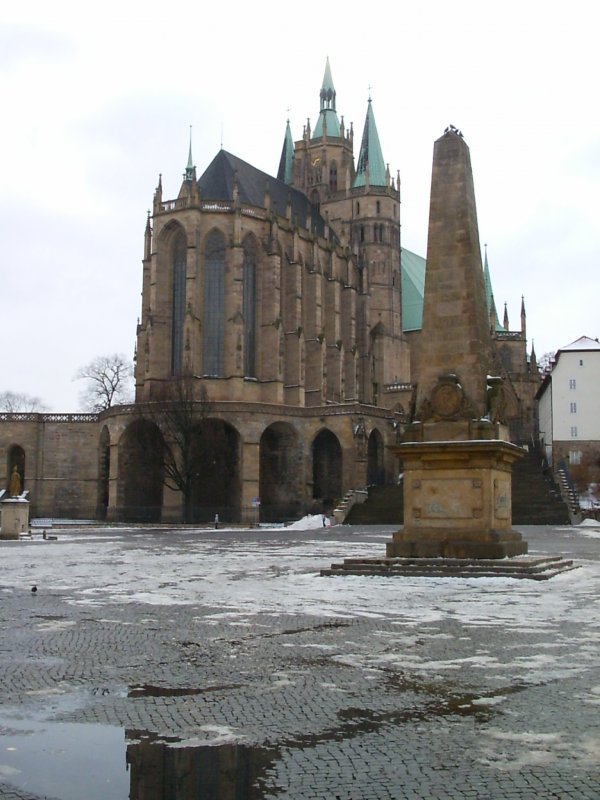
<point>536,499</point>
<point>539,568</point>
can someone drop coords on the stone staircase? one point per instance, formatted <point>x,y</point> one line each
<point>536,499</point>
<point>384,506</point>
<point>537,568</point>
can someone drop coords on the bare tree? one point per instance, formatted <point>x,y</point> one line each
<point>546,362</point>
<point>188,435</point>
<point>17,402</point>
<point>108,382</point>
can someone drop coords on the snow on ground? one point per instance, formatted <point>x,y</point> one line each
<point>234,575</point>
<point>249,571</point>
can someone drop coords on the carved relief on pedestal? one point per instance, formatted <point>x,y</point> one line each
<point>447,401</point>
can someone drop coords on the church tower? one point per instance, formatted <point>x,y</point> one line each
<point>362,207</point>
<point>323,162</point>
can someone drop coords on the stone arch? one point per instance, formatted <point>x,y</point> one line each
<point>327,469</point>
<point>375,463</point>
<point>281,473</point>
<point>103,473</point>
<point>15,457</point>
<point>141,473</point>
<point>217,488</point>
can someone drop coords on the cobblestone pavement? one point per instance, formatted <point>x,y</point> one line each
<point>218,664</point>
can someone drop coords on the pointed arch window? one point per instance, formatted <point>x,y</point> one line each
<point>214,305</point>
<point>333,177</point>
<point>249,307</point>
<point>178,309</point>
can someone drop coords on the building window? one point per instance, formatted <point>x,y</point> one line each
<point>333,177</point>
<point>573,408</point>
<point>573,431</point>
<point>214,305</point>
<point>178,307</point>
<point>378,206</point>
<point>575,457</point>
<point>249,307</point>
<point>581,362</point>
<point>357,209</point>
<point>572,383</point>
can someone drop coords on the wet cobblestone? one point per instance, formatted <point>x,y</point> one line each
<point>401,694</point>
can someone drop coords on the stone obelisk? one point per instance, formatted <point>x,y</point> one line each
<point>456,458</point>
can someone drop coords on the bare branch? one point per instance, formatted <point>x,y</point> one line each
<point>15,402</point>
<point>108,382</point>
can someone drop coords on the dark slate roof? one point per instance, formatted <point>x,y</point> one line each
<point>216,183</point>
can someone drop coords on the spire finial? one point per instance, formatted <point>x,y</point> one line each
<point>189,170</point>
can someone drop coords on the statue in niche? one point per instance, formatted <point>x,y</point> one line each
<point>14,485</point>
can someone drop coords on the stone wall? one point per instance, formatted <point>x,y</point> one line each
<point>61,461</point>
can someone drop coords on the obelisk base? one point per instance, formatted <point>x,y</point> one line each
<point>457,500</point>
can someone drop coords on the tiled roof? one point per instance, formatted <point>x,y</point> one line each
<point>216,183</point>
<point>583,343</point>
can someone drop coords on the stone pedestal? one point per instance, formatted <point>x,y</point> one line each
<point>457,500</point>
<point>14,517</point>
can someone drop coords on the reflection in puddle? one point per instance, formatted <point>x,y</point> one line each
<point>70,761</point>
<point>162,769</point>
<point>150,690</point>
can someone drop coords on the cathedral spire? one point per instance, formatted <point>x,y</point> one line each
<point>489,295</point>
<point>533,365</point>
<point>190,170</point>
<point>328,121</point>
<point>287,157</point>
<point>371,167</point>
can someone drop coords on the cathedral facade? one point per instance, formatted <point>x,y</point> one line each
<point>285,314</point>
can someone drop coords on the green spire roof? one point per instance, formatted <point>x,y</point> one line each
<point>327,113</point>
<point>370,155</point>
<point>489,293</point>
<point>287,157</point>
<point>413,289</point>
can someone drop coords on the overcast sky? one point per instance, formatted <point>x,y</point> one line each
<point>98,99</point>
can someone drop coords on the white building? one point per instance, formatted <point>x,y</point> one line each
<point>568,401</point>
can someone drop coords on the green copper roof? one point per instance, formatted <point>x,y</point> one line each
<point>327,113</point>
<point>413,290</point>
<point>489,294</point>
<point>370,155</point>
<point>287,157</point>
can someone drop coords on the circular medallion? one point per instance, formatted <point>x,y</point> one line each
<point>446,399</point>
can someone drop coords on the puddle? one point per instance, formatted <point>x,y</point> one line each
<point>68,761</point>
<point>149,690</point>
<point>232,771</point>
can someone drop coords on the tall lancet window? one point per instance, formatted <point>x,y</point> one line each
<point>214,305</point>
<point>249,307</point>
<point>178,310</point>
